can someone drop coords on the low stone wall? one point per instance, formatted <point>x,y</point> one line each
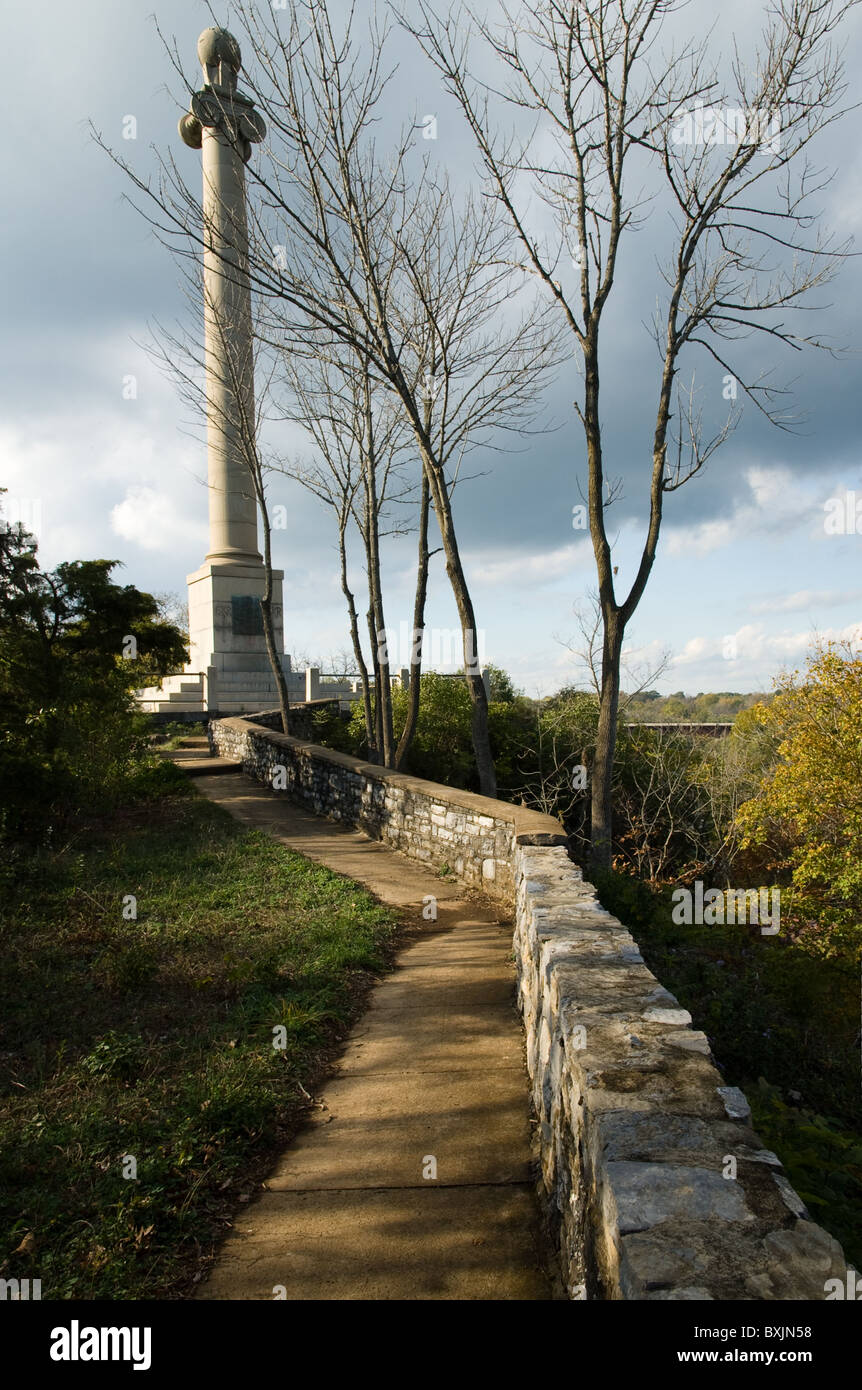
<point>301,717</point>
<point>655,1185</point>
<point>474,836</point>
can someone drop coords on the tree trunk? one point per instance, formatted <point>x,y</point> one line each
<point>266,618</point>
<point>357,644</point>
<point>457,579</point>
<point>481,731</point>
<point>375,593</point>
<point>475,685</point>
<point>384,691</point>
<point>601,830</point>
<point>377,708</point>
<point>409,730</point>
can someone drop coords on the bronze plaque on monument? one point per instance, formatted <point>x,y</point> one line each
<point>246,619</point>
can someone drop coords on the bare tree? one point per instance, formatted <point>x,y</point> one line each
<point>332,479</point>
<point>664,808</point>
<point>353,243</point>
<point>739,254</point>
<point>555,786</point>
<point>360,440</point>
<point>638,675</point>
<point>174,609</point>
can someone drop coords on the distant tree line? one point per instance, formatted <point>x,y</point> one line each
<point>716,707</point>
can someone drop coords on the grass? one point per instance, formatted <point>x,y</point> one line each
<point>142,1098</point>
<point>784,1026</point>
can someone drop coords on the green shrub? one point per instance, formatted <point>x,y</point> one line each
<point>117,1055</point>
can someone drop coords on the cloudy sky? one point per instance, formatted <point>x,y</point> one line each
<point>748,572</point>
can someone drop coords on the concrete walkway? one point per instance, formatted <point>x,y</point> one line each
<point>432,1073</point>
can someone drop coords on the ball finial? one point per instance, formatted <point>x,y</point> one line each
<point>219,46</point>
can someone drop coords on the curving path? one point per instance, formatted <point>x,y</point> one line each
<point>433,1070</point>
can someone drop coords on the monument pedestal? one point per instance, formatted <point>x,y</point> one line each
<point>229,671</point>
<point>225,623</point>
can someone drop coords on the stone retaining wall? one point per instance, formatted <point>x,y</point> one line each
<point>654,1183</point>
<point>301,717</point>
<point>474,836</point>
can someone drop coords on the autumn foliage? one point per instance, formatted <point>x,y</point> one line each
<point>805,822</point>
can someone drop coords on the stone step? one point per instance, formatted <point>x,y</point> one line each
<point>171,706</point>
<point>198,763</point>
<point>248,708</point>
<point>177,683</point>
<point>250,680</point>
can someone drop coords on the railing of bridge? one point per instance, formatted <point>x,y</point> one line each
<point>719,729</point>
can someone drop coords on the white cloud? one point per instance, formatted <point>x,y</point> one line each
<point>700,539</point>
<point>780,502</point>
<point>529,571</point>
<point>153,521</point>
<point>752,649</point>
<point>804,598</point>
<point>95,477</point>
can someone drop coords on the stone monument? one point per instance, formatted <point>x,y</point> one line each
<point>229,669</point>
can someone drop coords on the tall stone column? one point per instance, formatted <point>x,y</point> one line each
<point>224,616</point>
<point>222,123</point>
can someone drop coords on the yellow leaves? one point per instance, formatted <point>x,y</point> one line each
<point>27,1246</point>
<point>810,801</point>
<point>142,1234</point>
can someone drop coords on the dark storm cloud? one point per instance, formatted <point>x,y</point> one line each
<point>84,276</point>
